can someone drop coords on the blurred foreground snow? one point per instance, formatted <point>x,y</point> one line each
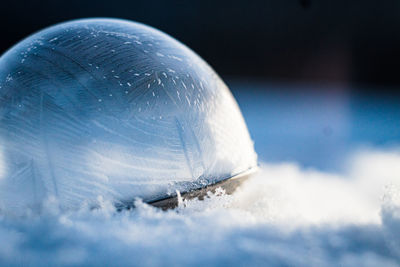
<point>285,215</point>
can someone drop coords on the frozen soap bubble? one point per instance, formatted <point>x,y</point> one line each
<point>112,108</point>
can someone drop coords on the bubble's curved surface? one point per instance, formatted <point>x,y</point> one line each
<point>112,108</point>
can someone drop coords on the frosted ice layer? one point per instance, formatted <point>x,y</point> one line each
<point>113,108</point>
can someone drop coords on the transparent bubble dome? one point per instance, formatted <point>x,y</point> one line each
<point>113,108</point>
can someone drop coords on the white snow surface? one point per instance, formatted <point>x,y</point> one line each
<point>283,216</point>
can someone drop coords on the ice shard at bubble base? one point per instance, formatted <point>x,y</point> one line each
<point>112,108</point>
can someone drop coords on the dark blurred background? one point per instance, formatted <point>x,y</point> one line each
<point>341,41</point>
<point>316,80</point>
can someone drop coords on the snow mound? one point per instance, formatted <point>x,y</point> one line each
<point>285,215</point>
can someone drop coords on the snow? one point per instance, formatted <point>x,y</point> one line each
<point>285,215</point>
